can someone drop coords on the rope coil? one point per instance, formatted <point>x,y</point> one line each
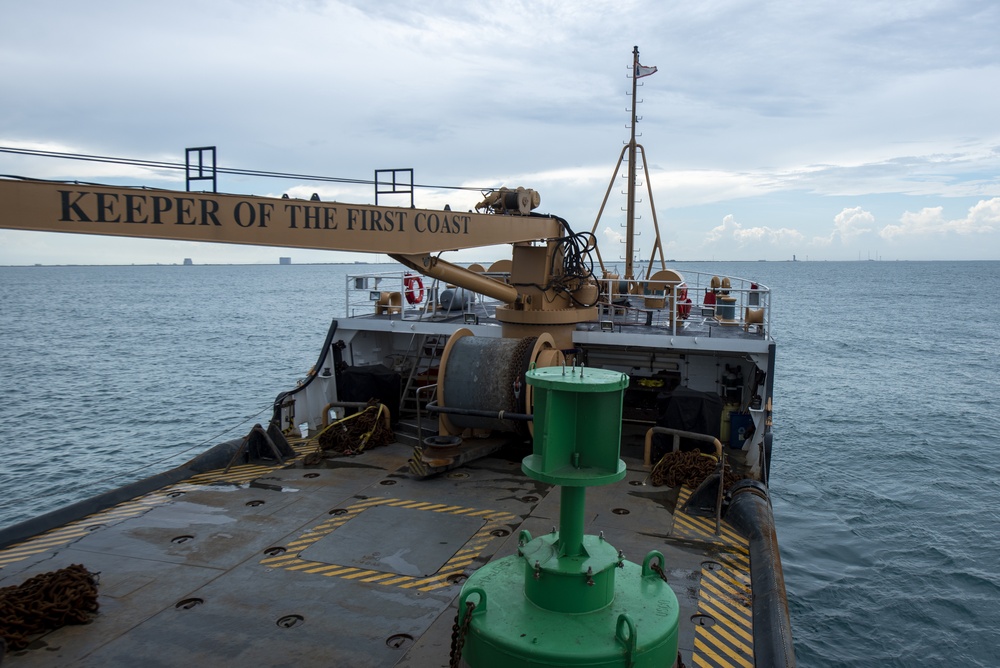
<point>352,435</point>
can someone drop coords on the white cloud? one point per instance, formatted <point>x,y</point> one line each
<point>613,236</point>
<point>687,187</point>
<point>730,229</point>
<point>853,222</point>
<point>982,218</point>
<point>767,110</point>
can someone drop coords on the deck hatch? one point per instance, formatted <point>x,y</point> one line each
<point>491,525</point>
<point>394,539</point>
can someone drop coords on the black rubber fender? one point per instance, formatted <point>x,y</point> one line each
<point>750,513</point>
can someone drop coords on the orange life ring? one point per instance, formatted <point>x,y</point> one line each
<point>414,289</point>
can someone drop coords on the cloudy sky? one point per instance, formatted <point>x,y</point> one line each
<point>825,130</point>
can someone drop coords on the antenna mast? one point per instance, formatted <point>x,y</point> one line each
<point>630,210</point>
<point>638,71</point>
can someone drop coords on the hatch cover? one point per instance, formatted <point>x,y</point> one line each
<point>419,537</point>
<point>392,539</point>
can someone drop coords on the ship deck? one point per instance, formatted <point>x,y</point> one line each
<point>354,562</point>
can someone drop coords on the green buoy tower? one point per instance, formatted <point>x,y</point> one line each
<point>566,598</point>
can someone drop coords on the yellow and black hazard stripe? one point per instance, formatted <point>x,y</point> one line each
<point>450,573</point>
<point>66,534</point>
<point>724,622</point>
<point>702,528</point>
<point>61,536</point>
<point>724,632</point>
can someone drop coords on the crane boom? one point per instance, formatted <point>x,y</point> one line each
<point>540,295</point>
<point>263,221</point>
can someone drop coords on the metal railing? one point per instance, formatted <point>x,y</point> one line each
<point>416,297</point>
<point>664,305</point>
<point>668,304</point>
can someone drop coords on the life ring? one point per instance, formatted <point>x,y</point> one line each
<point>413,289</point>
<point>683,303</point>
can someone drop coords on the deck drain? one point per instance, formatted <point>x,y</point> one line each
<point>388,482</point>
<point>274,551</point>
<point>339,511</point>
<point>457,578</point>
<point>288,621</point>
<point>457,475</point>
<point>174,495</point>
<point>635,483</point>
<point>529,499</point>
<point>189,603</point>
<point>95,527</point>
<point>499,533</point>
<point>255,502</point>
<point>399,641</point>
<point>620,511</point>
<point>703,620</point>
<point>711,565</point>
<point>181,539</point>
<point>311,475</point>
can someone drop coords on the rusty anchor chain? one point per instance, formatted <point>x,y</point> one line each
<point>46,602</point>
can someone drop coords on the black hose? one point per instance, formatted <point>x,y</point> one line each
<point>280,399</point>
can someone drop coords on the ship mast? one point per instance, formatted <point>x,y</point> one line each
<point>630,207</point>
<point>633,149</point>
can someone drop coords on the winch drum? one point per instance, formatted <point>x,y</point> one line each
<point>487,374</point>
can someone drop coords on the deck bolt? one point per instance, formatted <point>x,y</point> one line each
<point>288,621</point>
<point>189,603</point>
<point>399,641</point>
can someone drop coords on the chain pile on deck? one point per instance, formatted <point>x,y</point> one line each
<point>46,602</point>
<point>689,469</point>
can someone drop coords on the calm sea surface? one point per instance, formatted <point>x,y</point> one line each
<point>885,478</point>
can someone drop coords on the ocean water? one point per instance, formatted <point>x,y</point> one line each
<point>885,482</point>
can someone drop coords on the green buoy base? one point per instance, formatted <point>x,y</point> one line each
<point>638,628</point>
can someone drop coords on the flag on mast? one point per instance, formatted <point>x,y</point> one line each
<point>643,71</point>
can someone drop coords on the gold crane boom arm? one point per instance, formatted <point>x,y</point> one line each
<point>263,221</point>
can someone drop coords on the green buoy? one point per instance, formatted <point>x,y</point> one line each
<point>570,599</point>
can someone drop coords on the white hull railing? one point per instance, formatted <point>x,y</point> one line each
<point>668,305</point>
<point>659,304</point>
